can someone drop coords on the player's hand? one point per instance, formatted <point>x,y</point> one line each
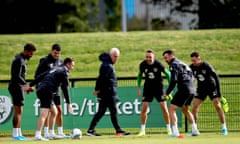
<point>164,97</point>
<point>25,87</point>
<point>30,90</point>
<point>139,92</point>
<point>167,97</point>
<point>70,109</point>
<point>96,92</point>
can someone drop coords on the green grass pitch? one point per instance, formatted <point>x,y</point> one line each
<point>209,138</point>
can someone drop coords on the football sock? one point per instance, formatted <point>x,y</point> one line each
<point>175,129</point>
<point>45,130</point>
<point>60,130</point>
<point>143,127</point>
<point>51,132</point>
<point>194,126</point>
<point>15,132</point>
<point>38,133</point>
<point>224,126</point>
<point>19,131</point>
<point>168,126</point>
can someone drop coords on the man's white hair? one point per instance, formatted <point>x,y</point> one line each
<point>114,50</point>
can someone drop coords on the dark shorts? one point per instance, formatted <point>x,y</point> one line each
<point>17,95</point>
<point>180,99</point>
<point>45,97</point>
<point>184,95</point>
<point>203,93</point>
<point>57,99</point>
<point>150,93</point>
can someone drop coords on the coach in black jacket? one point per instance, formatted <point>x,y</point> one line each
<point>106,84</point>
<point>106,92</point>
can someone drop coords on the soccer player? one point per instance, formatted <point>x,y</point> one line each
<point>48,83</point>
<point>153,88</point>
<point>51,61</point>
<point>17,86</point>
<point>182,76</point>
<point>207,85</point>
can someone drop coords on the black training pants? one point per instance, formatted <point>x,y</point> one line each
<point>103,105</point>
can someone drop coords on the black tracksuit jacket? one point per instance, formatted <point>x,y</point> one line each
<point>107,80</point>
<point>52,79</point>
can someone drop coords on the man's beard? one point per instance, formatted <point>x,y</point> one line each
<point>27,57</point>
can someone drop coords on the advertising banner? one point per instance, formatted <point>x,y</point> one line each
<point>85,106</point>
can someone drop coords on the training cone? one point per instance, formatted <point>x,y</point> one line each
<point>180,136</point>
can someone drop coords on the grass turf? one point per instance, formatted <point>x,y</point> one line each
<point>220,47</point>
<point>211,138</point>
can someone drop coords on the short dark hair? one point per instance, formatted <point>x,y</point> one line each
<point>194,54</point>
<point>29,47</point>
<point>149,51</point>
<point>170,52</point>
<point>68,60</point>
<point>56,47</point>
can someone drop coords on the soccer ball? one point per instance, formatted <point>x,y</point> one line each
<point>76,133</point>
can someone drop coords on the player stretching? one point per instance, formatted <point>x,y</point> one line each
<point>207,84</point>
<point>181,75</point>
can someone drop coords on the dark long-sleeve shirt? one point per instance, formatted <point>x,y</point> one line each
<point>47,63</point>
<point>153,74</point>
<point>107,80</point>
<point>51,80</point>
<point>206,76</point>
<point>18,70</point>
<point>181,74</point>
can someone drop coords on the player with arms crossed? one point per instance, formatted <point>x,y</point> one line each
<point>153,87</point>
<point>207,85</point>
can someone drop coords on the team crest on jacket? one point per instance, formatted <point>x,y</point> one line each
<point>204,71</point>
<point>201,77</point>
<point>194,72</point>
<point>155,69</point>
<point>51,65</point>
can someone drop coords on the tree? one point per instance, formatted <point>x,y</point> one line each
<point>47,16</point>
<point>177,7</point>
<point>212,13</point>
<point>79,16</point>
<point>26,16</point>
<point>219,14</point>
<point>113,12</point>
